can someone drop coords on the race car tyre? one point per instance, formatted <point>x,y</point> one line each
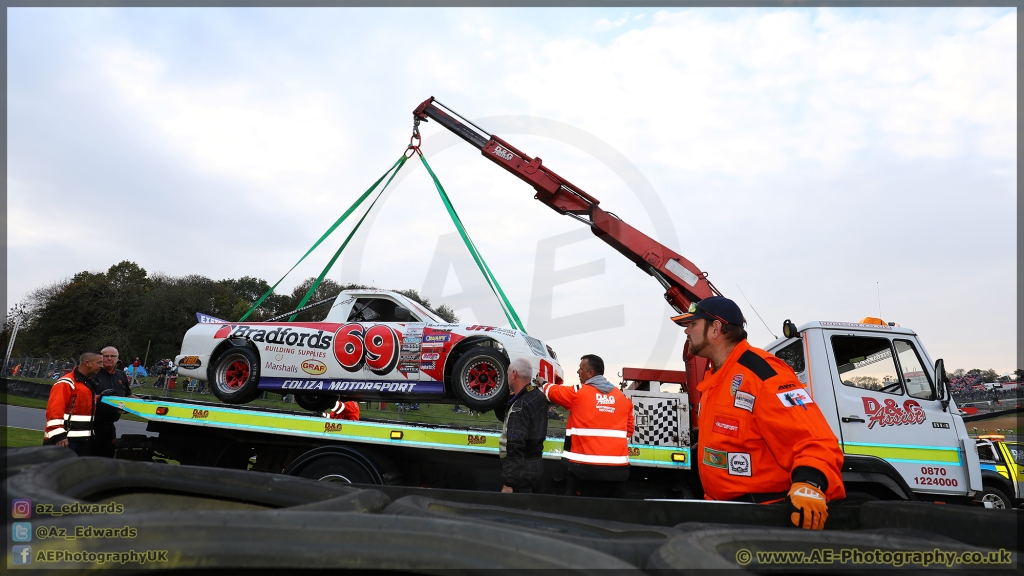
<point>290,540</point>
<point>151,486</point>
<point>236,375</point>
<point>338,469</point>
<point>316,402</point>
<point>480,379</point>
<point>632,543</point>
<point>995,497</point>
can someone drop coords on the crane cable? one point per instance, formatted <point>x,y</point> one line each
<point>393,170</point>
<point>506,306</point>
<point>485,270</point>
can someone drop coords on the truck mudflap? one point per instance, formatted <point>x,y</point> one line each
<point>308,425</point>
<point>970,456</point>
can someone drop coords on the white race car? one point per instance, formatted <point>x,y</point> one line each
<point>374,345</point>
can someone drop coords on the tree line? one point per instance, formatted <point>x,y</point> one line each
<point>129,309</point>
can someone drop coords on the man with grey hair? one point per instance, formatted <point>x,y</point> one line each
<point>110,381</point>
<point>522,435</point>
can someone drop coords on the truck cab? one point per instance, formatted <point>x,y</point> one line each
<point>878,388</point>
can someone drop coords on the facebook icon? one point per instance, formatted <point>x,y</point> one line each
<point>22,554</point>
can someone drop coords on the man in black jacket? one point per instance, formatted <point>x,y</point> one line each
<point>110,381</point>
<point>522,436</point>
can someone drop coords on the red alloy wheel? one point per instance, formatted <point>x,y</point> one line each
<point>237,374</point>
<point>482,377</point>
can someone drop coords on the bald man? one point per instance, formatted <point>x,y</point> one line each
<point>110,381</point>
<point>71,408</point>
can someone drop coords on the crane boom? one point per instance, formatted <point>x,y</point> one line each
<point>683,282</point>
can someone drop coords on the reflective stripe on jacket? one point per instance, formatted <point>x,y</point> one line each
<point>343,411</point>
<point>761,430</point>
<point>599,426</point>
<point>70,410</point>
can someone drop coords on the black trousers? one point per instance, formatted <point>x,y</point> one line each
<point>82,447</point>
<point>576,486</point>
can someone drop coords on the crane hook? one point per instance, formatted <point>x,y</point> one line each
<point>414,140</point>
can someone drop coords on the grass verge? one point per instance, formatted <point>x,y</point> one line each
<point>20,437</point>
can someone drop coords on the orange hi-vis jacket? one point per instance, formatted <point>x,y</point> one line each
<point>343,411</point>
<point>70,410</point>
<point>760,431</point>
<point>599,426</point>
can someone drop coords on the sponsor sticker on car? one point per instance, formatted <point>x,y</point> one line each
<point>190,362</point>
<point>314,367</point>
<point>430,356</point>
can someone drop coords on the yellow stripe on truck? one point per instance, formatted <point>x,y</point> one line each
<point>903,453</point>
<point>370,432</point>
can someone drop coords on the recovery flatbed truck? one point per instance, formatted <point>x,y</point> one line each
<point>885,399</point>
<point>365,452</point>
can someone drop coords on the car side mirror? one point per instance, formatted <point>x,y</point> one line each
<point>941,384</point>
<point>789,329</point>
<point>402,314</point>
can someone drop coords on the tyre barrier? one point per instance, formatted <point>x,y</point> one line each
<point>20,459</point>
<point>631,543</point>
<point>151,486</point>
<point>665,513</point>
<point>977,526</point>
<point>855,552</point>
<point>295,540</point>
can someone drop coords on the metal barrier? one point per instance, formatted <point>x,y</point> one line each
<point>28,367</point>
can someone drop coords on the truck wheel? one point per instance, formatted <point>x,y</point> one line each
<point>339,469</point>
<point>480,379</point>
<point>316,402</point>
<point>236,376</point>
<point>996,497</point>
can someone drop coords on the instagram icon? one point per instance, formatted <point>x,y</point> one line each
<point>21,508</point>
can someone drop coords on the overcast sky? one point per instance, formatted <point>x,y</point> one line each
<point>826,162</point>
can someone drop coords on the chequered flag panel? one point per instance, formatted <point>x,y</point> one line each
<point>657,421</point>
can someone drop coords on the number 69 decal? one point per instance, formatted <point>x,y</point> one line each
<point>376,348</point>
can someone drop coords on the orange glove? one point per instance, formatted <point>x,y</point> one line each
<point>809,502</point>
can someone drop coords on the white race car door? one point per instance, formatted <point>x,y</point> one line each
<point>887,409</point>
<point>375,352</point>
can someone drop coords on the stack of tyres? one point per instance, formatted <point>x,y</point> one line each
<point>217,518</point>
<point>189,517</point>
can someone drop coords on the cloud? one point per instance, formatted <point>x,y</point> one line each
<point>235,127</point>
<point>784,88</point>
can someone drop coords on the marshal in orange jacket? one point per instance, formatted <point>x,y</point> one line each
<point>70,410</point>
<point>760,431</point>
<point>599,427</point>
<point>343,411</point>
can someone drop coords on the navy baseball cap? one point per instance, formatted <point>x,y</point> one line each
<point>714,308</point>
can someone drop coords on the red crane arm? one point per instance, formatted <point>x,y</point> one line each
<point>683,281</point>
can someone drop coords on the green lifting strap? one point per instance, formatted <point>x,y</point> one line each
<point>320,278</point>
<point>397,165</point>
<point>506,306</point>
